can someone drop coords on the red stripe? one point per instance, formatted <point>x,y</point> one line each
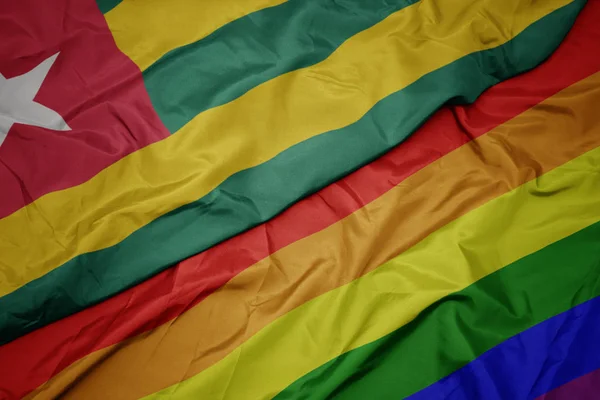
<point>97,89</point>
<point>41,354</point>
<point>586,387</point>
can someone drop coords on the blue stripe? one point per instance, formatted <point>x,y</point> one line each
<point>531,363</point>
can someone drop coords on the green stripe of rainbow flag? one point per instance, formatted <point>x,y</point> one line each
<point>507,302</point>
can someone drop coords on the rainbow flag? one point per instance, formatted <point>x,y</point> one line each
<point>300,199</point>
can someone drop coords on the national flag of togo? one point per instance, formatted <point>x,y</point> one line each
<point>300,199</point>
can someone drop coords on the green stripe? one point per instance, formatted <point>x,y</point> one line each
<point>254,49</point>
<point>462,326</point>
<point>107,5</point>
<point>253,196</point>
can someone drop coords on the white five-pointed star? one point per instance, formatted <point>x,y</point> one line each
<point>17,105</point>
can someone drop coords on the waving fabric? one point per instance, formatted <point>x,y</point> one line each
<point>299,199</point>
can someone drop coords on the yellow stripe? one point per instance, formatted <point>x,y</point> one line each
<point>145,30</point>
<point>502,231</point>
<point>253,129</point>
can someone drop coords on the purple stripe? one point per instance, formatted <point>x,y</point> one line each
<point>585,388</point>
